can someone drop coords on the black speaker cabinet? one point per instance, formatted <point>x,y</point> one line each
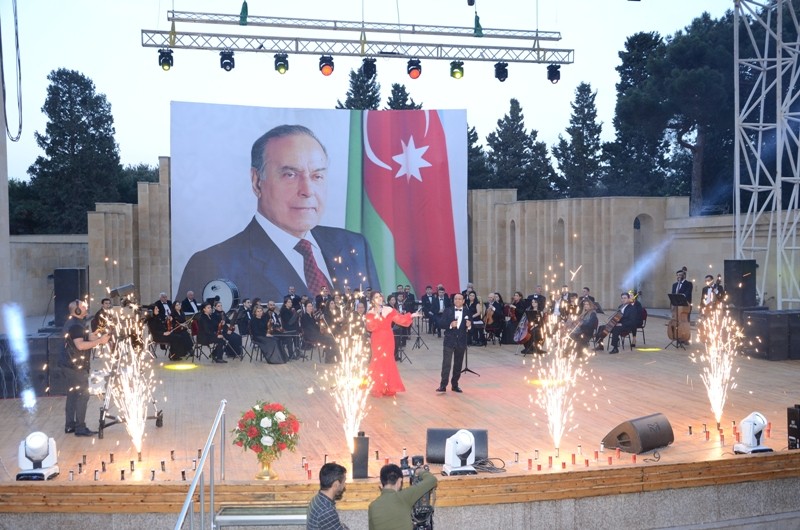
<point>794,334</point>
<point>68,285</point>
<point>793,426</point>
<point>740,282</point>
<point>436,438</point>
<point>767,334</point>
<point>641,434</point>
<point>16,377</point>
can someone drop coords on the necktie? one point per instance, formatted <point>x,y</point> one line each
<point>315,279</point>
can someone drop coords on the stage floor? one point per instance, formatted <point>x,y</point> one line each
<point>499,398</point>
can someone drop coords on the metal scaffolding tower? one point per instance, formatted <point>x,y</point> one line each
<point>767,156</point>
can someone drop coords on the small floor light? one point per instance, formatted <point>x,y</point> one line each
<point>414,68</point>
<point>37,457</point>
<point>326,65</point>
<point>226,61</point>
<point>501,71</point>
<point>281,63</point>
<point>457,69</point>
<point>165,59</point>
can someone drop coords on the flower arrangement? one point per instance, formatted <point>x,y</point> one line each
<point>267,429</point>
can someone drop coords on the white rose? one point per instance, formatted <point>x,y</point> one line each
<point>280,416</point>
<point>267,441</point>
<point>266,423</point>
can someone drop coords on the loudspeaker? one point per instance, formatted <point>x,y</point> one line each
<point>68,285</point>
<point>360,456</point>
<point>16,377</point>
<point>767,335</point>
<point>436,438</point>
<point>740,282</point>
<point>793,426</point>
<point>641,434</point>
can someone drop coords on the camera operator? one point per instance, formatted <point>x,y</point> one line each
<point>392,510</point>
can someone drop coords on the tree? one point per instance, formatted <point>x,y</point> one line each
<point>23,206</point>
<point>518,160</point>
<point>579,158</point>
<point>364,92</point>
<point>81,163</point>
<point>131,175</point>
<point>478,174</point>
<point>400,100</point>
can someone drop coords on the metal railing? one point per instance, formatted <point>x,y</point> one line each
<point>199,476</point>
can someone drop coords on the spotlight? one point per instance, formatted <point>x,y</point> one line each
<point>459,454</point>
<point>414,68</point>
<point>752,427</point>
<point>457,69</point>
<point>37,457</point>
<point>368,68</point>
<point>501,71</point>
<point>281,63</point>
<point>326,65</point>
<point>553,73</point>
<point>165,59</point>
<point>226,61</point>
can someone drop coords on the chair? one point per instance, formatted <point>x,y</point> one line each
<point>642,326</point>
<point>199,350</point>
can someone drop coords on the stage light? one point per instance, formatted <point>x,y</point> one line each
<point>501,71</point>
<point>37,457</point>
<point>368,68</point>
<point>752,427</point>
<point>553,73</point>
<point>459,454</point>
<point>326,65</point>
<point>165,59</point>
<point>281,63</point>
<point>457,69</point>
<point>226,61</point>
<point>414,68</point>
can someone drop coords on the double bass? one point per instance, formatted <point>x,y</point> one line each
<point>678,327</point>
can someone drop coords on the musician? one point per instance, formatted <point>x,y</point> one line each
<point>332,317</point>
<point>713,293</point>
<point>493,316</point>
<point>161,330</point>
<point>427,308</point>
<point>189,305</point>
<point>312,333</point>
<point>322,299</point>
<point>262,332</point>
<point>290,321</point>
<point>564,306</point>
<point>586,295</point>
<point>410,298</point>
<point>225,326</point>
<point>586,327</point>
<point>538,300</point>
<point>400,332</point>
<point>295,298</point>
<point>358,300</point>
<point>475,311</point>
<point>181,327</point>
<point>102,318</point>
<point>627,322</point>
<point>456,323</point>
<point>683,286</point>
<point>74,364</point>
<point>208,334</point>
<point>165,305</point>
<point>440,303</point>
<point>244,315</point>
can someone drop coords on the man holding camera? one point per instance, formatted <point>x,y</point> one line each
<point>392,510</point>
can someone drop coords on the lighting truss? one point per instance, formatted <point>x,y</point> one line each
<point>354,48</point>
<point>766,92</point>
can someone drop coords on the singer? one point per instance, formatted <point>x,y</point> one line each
<point>382,366</point>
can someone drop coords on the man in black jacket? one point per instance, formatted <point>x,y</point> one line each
<point>627,323</point>
<point>456,324</point>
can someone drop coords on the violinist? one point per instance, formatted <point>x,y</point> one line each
<point>225,328</point>
<point>180,329</point>
<point>276,330</point>
<point>713,294</point>
<point>312,332</point>
<point>161,331</point>
<point>207,333</point>
<point>290,321</point>
<point>586,326</point>
<point>261,331</point>
<point>474,309</point>
<point>628,321</point>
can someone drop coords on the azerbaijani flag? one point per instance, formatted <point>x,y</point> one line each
<point>400,197</point>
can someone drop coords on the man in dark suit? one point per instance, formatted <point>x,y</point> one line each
<point>627,323</point>
<point>294,297</point>
<point>440,303</point>
<point>427,307</point>
<point>684,287</point>
<point>283,244</point>
<point>189,305</point>
<point>456,324</point>
<point>165,305</point>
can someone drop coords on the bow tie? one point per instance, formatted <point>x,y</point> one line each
<point>458,310</point>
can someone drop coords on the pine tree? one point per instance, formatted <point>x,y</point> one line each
<point>81,165</point>
<point>579,158</point>
<point>364,92</point>
<point>478,174</point>
<point>400,100</point>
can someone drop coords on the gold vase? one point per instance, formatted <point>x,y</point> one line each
<point>266,473</point>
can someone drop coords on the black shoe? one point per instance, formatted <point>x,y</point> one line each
<point>457,389</point>
<point>599,347</point>
<point>85,432</point>
<point>69,430</point>
<point>615,350</point>
<point>220,361</point>
<point>441,389</point>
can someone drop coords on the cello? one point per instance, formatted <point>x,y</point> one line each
<point>603,332</point>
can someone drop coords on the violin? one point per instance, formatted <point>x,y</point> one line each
<point>169,324</point>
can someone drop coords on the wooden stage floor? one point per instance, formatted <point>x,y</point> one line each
<point>501,400</point>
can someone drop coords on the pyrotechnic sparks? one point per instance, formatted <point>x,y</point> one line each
<point>722,338</point>
<point>556,375</point>
<point>348,381</point>
<point>15,326</point>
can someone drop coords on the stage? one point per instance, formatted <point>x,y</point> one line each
<point>500,399</point>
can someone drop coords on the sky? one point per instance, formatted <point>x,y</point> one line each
<point>102,40</point>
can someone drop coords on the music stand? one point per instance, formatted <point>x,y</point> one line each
<point>417,322</point>
<point>677,299</point>
<point>466,363</point>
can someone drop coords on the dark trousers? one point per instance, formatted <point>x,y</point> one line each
<point>454,356</point>
<point>77,397</point>
<point>615,332</point>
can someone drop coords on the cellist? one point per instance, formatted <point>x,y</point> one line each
<point>628,322</point>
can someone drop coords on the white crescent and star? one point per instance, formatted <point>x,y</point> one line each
<point>411,160</point>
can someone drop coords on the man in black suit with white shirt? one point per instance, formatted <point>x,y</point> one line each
<point>456,324</point>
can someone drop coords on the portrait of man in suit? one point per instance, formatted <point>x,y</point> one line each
<point>284,244</point>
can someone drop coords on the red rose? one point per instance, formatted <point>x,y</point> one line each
<point>266,406</point>
<point>295,426</point>
<point>252,432</point>
<point>282,425</point>
<point>256,448</point>
<point>239,443</point>
<point>281,446</point>
<point>249,415</point>
<point>241,425</point>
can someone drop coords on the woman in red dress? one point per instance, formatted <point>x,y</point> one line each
<point>382,366</point>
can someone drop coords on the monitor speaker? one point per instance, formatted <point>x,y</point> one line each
<point>740,282</point>
<point>68,285</point>
<point>641,434</point>
<point>436,439</point>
